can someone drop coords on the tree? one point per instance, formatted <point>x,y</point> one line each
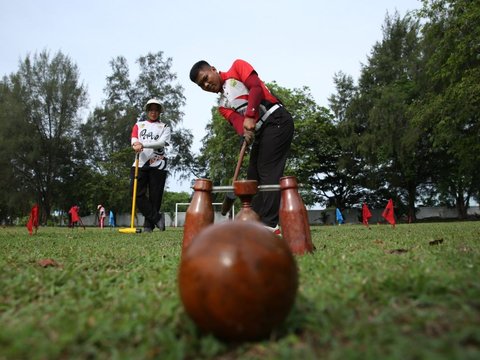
<point>219,153</point>
<point>317,159</point>
<point>352,168</point>
<point>346,91</point>
<point>44,99</point>
<point>381,121</point>
<point>220,149</point>
<point>106,134</point>
<point>449,106</point>
<point>13,203</point>
<point>314,155</point>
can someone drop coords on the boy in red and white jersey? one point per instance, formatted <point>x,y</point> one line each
<point>257,115</point>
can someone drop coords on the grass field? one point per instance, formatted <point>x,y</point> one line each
<point>412,292</point>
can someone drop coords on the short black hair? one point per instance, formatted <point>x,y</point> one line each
<point>196,69</point>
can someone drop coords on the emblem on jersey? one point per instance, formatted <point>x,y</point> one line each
<point>235,95</point>
<point>158,161</point>
<point>148,135</point>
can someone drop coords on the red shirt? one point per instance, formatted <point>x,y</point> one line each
<point>74,212</point>
<point>257,91</point>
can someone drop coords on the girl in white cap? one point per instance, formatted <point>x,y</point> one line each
<point>149,138</point>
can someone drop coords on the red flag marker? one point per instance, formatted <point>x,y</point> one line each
<point>366,214</point>
<point>33,219</point>
<point>388,214</point>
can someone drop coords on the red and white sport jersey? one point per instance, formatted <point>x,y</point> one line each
<point>154,136</point>
<point>236,97</point>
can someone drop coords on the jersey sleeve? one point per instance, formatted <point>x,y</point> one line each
<point>234,118</point>
<point>241,69</point>
<point>162,141</point>
<point>134,135</point>
<point>255,95</point>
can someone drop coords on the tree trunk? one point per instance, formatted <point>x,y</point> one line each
<point>461,207</point>
<point>412,193</point>
<point>45,206</point>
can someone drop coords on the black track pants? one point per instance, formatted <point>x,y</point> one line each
<point>267,162</point>
<point>150,186</point>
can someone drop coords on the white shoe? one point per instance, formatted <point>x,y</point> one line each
<point>275,230</point>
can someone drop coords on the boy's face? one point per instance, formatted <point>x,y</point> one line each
<point>153,112</point>
<point>209,79</point>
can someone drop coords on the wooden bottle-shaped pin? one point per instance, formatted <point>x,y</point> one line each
<point>245,190</point>
<point>200,211</point>
<point>294,218</point>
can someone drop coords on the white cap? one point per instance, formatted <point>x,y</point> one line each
<point>154,101</point>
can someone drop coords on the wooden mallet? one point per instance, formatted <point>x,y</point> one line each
<point>230,196</point>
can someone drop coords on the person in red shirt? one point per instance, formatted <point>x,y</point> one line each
<point>74,217</point>
<point>149,138</point>
<point>257,115</point>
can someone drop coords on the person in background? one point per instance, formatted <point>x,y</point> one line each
<point>73,216</point>
<point>259,116</point>
<point>339,217</point>
<point>101,216</point>
<point>111,219</point>
<point>149,139</point>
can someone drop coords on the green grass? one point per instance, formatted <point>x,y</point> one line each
<point>378,293</point>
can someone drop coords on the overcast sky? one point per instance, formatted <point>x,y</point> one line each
<point>295,43</point>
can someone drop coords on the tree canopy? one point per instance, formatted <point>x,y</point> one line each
<point>53,157</point>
